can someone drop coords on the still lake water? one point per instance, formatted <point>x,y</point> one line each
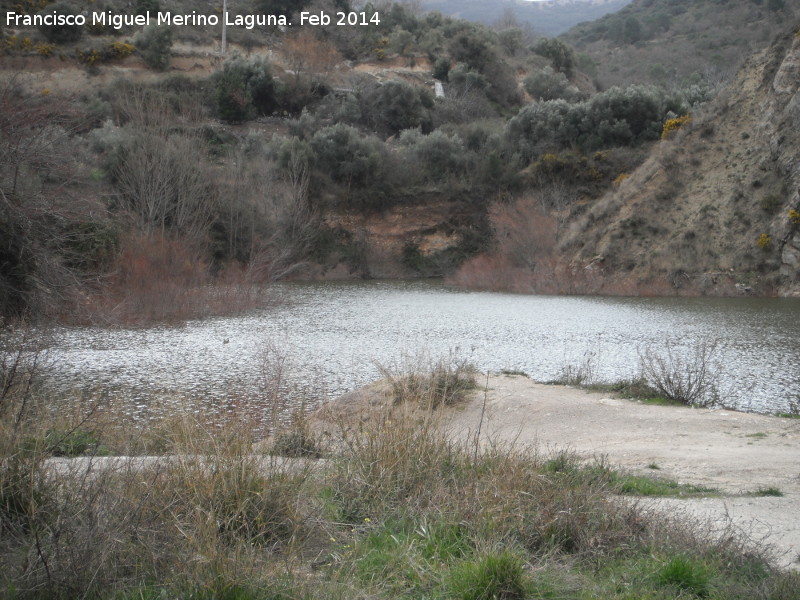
<point>335,336</point>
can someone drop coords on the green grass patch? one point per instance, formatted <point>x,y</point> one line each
<point>493,576</point>
<point>633,389</point>
<point>74,443</point>
<point>599,473</point>
<point>67,443</point>
<point>767,491</point>
<point>514,373</point>
<point>674,573</point>
<point>787,415</point>
<point>408,556</point>
<point>760,435</point>
<point>658,401</point>
<point>687,575</point>
<point>640,485</point>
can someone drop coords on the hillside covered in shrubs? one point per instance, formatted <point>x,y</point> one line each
<point>667,42</point>
<point>138,165</point>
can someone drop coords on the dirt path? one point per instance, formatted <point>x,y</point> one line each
<point>734,452</point>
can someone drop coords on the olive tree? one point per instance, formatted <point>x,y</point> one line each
<point>397,105</point>
<point>244,88</point>
<point>342,152</point>
<point>60,33</point>
<point>155,46</point>
<point>549,84</point>
<point>560,54</point>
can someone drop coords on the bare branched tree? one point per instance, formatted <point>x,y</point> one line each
<point>309,57</point>
<point>160,180</point>
<point>462,104</point>
<point>269,219</point>
<point>294,222</point>
<point>555,198</point>
<point>151,109</point>
<point>688,376</point>
<point>36,169</point>
<point>159,173</point>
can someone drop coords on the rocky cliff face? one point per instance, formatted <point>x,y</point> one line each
<point>710,210</point>
<point>781,120</point>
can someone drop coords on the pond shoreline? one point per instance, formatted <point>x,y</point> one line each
<point>388,323</point>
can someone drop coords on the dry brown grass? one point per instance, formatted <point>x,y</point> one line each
<point>431,384</point>
<point>212,513</point>
<point>405,459</point>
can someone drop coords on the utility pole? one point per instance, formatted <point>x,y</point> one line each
<point>224,48</point>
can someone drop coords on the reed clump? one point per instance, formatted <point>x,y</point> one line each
<point>431,383</point>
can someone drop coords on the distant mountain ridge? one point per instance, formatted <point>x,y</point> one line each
<point>548,17</point>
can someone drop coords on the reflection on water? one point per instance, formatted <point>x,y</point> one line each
<point>335,333</point>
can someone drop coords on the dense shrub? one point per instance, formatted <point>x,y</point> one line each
<point>462,106</point>
<point>560,54</point>
<point>496,83</point>
<point>544,125</point>
<point>441,69</point>
<point>473,46</point>
<point>465,79</point>
<point>60,34</point>
<point>143,6</point>
<point>511,40</point>
<point>437,152</point>
<point>232,101</point>
<point>618,117</point>
<point>548,84</point>
<point>397,105</point>
<point>155,45</point>
<point>243,89</point>
<point>91,245</point>
<point>503,88</point>
<point>628,31</point>
<point>346,155</point>
<point>695,94</point>
<point>673,125</point>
